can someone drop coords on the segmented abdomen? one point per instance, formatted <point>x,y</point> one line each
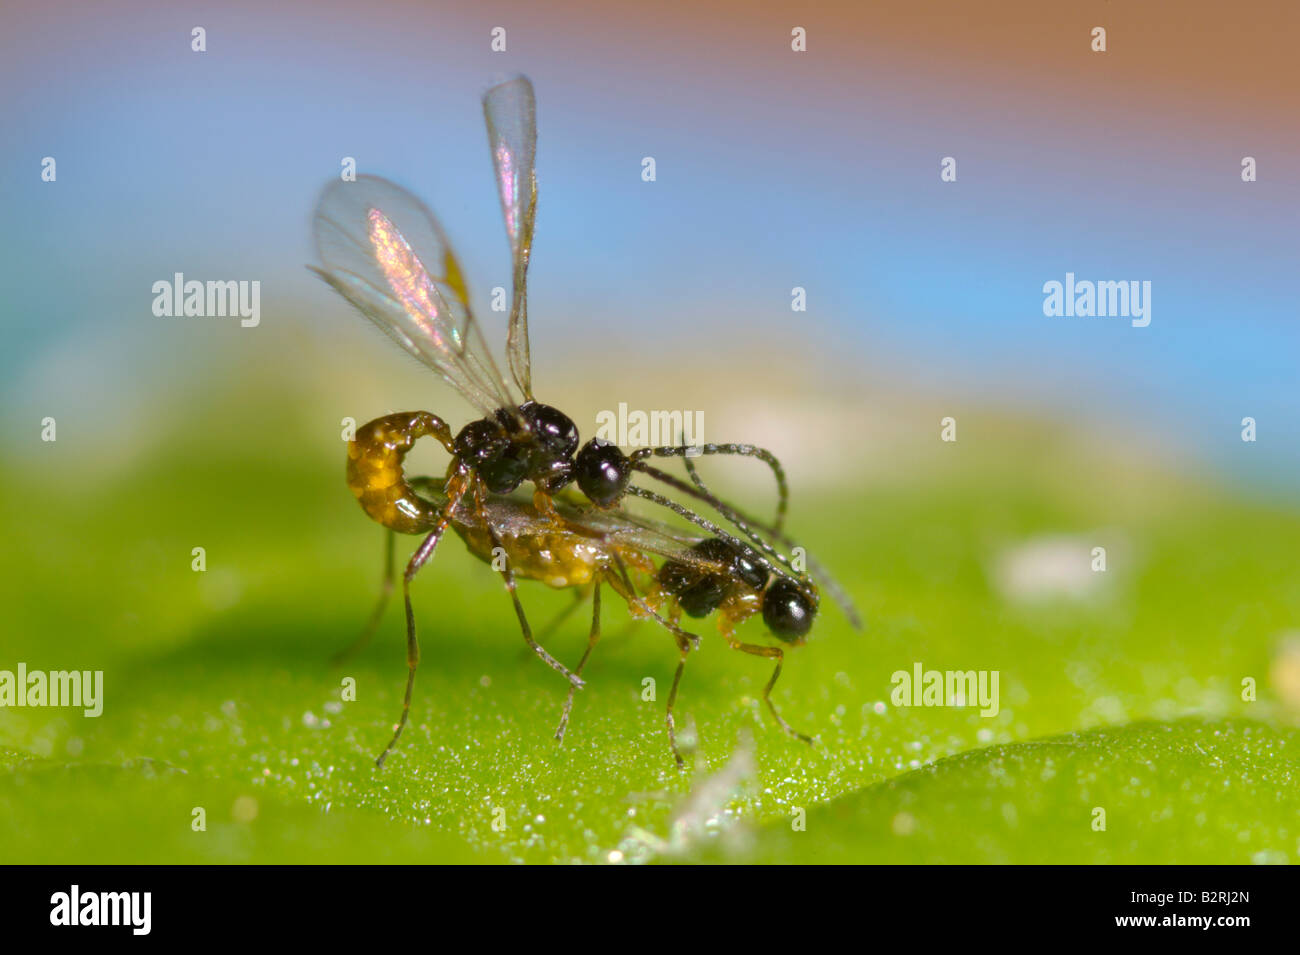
<point>375,469</point>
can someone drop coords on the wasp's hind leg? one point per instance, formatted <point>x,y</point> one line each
<point>592,637</point>
<point>622,584</point>
<point>508,575</point>
<point>672,699</point>
<point>385,592</point>
<point>418,560</point>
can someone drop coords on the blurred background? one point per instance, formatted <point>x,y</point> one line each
<point>818,170</point>
<point>774,170</point>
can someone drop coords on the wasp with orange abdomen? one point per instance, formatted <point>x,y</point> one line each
<point>384,252</point>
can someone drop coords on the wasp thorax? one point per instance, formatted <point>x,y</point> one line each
<point>699,590</point>
<point>533,442</point>
<point>481,441</point>
<point>487,447</point>
<point>553,432</point>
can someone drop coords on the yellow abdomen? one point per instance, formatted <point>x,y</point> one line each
<point>558,560</point>
<point>375,469</point>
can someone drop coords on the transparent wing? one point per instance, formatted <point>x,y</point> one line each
<point>514,517</point>
<point>511,114</point>
<point>384,252</point>
<point>640,533</point>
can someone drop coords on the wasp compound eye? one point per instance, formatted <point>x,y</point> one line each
<point>602,472</point>
<point>787,612</point>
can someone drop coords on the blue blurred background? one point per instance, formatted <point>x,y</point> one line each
<point>774,170</point>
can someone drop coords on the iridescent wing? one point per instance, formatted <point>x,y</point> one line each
<point>511,114</point>
<point>384,252</point>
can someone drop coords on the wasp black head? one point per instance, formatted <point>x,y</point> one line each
<point>602,472</point>
<point>788,611</point>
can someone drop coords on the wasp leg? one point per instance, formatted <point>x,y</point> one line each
<point>418,560</point>
<point>592,637</point>
<point>672,698</point>
<point>779,655</point>
<point>622,584</point>
<point>544,505</point>
<point>385,591</point>
<point>509,576</point>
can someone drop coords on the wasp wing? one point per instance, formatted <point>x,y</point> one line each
<point>510,111</point>
<point>514,517</point>
<point>623,529</point>
<point>385,253</point>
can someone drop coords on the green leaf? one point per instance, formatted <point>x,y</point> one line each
<point>1164,793</point>
<point>219,692</point>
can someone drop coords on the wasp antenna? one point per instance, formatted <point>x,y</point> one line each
<point>701,521</point>
<point>726,510</point>
<point>687,452</point>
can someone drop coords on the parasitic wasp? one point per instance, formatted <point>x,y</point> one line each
<point>385,252</point>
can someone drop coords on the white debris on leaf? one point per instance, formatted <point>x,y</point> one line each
<point>702,815</point>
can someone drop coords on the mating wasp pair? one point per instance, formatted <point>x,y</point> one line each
<point>384,252</point>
